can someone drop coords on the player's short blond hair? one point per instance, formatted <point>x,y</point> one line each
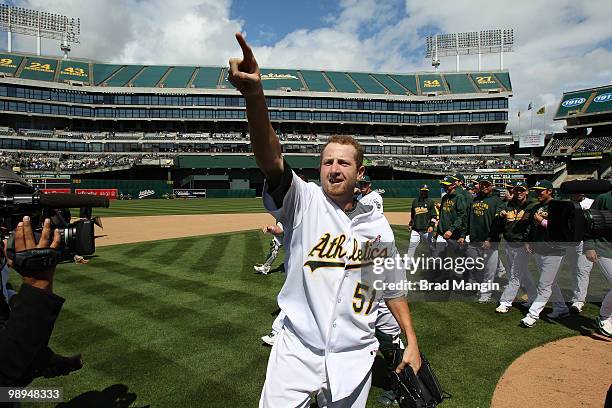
<point>346,140</point>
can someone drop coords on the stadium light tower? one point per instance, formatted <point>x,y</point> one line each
<point>40,24</point>
<point>469,43</point>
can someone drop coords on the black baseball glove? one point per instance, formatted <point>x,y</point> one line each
<point>421,390</point>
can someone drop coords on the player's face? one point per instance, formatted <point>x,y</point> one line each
<point>339,170</point>
<point>486,188</point>
<point>544,195</point>
<point>519,194</point>
<point>365,188</point>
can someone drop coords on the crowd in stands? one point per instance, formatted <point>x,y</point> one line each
<point>448,164</point>
<point>596,144</point>
<point>66,163</point>
<point>556,144</point>
<point>30,161</point>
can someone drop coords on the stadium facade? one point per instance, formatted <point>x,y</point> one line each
<point>586,143</point>
<point>187,123</point>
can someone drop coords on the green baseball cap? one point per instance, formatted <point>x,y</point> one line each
<point>458,177</point>
<point>365,179</point>
<point>485,178</point>
<point>448,180</point>
<point>424,187</point>
<point>520,184</point>
<point>543,185</point>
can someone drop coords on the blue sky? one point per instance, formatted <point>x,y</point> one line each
<point>560,45</point>
<point>268,21</point>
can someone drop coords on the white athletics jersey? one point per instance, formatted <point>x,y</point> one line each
<point>373,199</point>
<point>327,304</point>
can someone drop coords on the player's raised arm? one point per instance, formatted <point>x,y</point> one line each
<point>244,75</point>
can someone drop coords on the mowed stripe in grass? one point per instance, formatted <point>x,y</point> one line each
<point>178,322</point>
<point>135,208</point>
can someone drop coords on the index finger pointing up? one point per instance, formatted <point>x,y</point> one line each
<point>246,49</point>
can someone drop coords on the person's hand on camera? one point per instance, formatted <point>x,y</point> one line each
<point>244,73</point>
<point>24,241</point>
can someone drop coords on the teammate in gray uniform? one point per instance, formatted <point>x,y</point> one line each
<point>275,244</point>
<point>548,255</point>
<point>327,343</point>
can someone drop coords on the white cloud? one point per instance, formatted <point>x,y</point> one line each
<point>560,44</point>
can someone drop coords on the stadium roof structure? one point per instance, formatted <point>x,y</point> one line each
<point>202,78</point>
<point>586,107</point>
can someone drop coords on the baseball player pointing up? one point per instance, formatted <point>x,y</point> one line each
<point>327,344</point>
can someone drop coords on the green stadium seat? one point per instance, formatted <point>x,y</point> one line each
<point>123,76</point>
<point>367,83</point>
<point>273,79</point>
<point>73,71</point>
<point>179,77</point>
<point>485,81</point>
<point>390,84</point>
<point>9,63</point>
<point>459,83</point>
<point>601,102</point>
<point>150,76</point>
<point>407,81</point>
<point>101,72</point>
<point>208,77</point>
<point>315,81</point>
<point>431,83</point>
<point>342,82</point>
<point>504,79</point>
<point>40,69</point>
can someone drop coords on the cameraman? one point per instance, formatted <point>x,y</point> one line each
<point>24,333</point>
<point>599,250</point>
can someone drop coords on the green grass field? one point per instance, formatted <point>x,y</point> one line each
<point>134,208</point>
<point>176,323</point>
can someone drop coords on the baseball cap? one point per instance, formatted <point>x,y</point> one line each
<point>424,187</point>
<point>470,186</point>
<point>447,180</point>
<point>365,179</point>
<point>458,177</point>
<point>543,185</point>
<point>519,184</point>
<point>485,178</point>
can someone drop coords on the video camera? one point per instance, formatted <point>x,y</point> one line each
<point>18,199</point>
<point>568,222</point>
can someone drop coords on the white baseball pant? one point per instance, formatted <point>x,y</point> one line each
<point>518,258</point>
<point>606,305</point>
<point>581,272</point>
<point>296,371</point>
<point>549,266</point>
<point>486,274</point>
<point>415,240</point>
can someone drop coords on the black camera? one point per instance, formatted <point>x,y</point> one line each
<point>568,222</point>
<point>18,199</point>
